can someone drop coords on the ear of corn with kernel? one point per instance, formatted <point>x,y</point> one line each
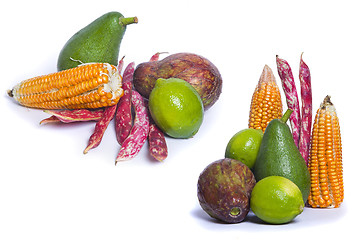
<point>91,85</point>
<point>325,159</point>
<point>266,102</point>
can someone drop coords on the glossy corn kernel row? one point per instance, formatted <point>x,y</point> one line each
<point>325,159</point>
<point>92,85</point>
<point>266,102</point>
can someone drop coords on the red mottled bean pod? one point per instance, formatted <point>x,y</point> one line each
<point>77,115</point>
<point>123,117</point>
<point>51,119</point>
<point>100,128</point>
<point>139,132</point>
<point>306,109</point>
<point>292,100</point>
<point>157,142</point>
<point>156,56</point>
<point>120,65</point>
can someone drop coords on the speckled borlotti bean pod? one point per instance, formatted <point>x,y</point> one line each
<point>78,115</point>
<point>306,110</point>
<point>157,142</point>
<point>288,84</point>
<point>123,116</point>
<point>100,128</point>
<point>139,132</point>
<point>51,119</point>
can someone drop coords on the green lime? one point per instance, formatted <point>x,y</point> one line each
<point>176,107</point>
<point>244,146</point>
<point>276,200</point>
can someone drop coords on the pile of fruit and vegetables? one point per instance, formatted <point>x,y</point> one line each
<point>91,85</point>
<point>269,168</point>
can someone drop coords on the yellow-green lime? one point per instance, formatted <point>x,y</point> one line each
<point>276,200</point>
<point>176,107</point>
<point>244,146</point>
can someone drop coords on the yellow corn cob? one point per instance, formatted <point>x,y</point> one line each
<point>325,159</point>
<point>90,85</point>
<point>266,102</point>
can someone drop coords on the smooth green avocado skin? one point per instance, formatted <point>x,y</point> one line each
<point>279,156</point>
<point>97,42</point>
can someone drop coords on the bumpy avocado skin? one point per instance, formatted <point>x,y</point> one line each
<point>224,186</point>
<point>97,42</point>
<point>279,156</point>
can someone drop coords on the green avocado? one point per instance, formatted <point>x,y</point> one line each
<point>97,42</point>
<point>279,156</point>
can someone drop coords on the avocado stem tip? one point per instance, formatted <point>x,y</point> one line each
<point>286,115</point>
<point>129,20</point>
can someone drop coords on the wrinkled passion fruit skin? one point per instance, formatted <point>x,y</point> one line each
<point>195,69</point>
<point>224,190</point>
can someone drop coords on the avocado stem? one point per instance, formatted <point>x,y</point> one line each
<point>286,115</point>
<point>129,20</point>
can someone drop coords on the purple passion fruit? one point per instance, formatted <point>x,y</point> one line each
<point>224,190</point>
<point>195,69</point>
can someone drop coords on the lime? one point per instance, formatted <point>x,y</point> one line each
<point>176,107</point>
<point>244,146</point>
<point>276,200</point>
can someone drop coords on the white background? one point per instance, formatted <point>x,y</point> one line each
<point>50,190</point>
